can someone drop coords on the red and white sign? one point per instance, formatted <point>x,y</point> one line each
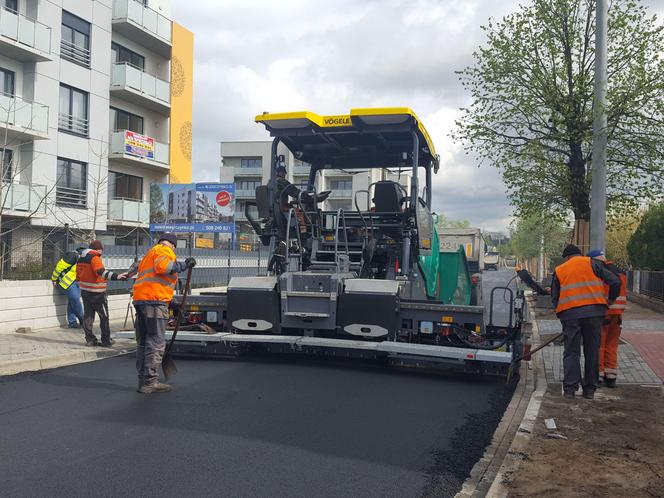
<point>223,198</point>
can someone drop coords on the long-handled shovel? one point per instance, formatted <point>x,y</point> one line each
<point>167,362</point>
<point>527,354</point>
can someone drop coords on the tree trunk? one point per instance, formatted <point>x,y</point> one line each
<point>579,195</point>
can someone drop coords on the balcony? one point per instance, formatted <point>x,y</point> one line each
<point>257,172</point>
<point>301,170</point>
<point>22,119</point>
<point>18,199</point>
<point>128,212</point>
<point>135,85</point>
<point>245,194</point>
<point>24,39</point>
<point>138,150</point>
<point>143,25</point>
<point>74,53</point>
<point>341,194</point>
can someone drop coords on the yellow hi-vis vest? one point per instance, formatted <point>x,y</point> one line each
<point>64,274</point>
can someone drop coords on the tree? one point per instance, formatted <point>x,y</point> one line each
<point>528,233</point>
<point>645,245</point>
<point>157,208</point>
<point>532,100</point>
<point>618,234</point>
<point>445,222</point>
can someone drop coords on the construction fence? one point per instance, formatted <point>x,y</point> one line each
<point>647,283</point>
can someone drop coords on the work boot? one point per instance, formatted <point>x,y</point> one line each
<point>107,343</point>
<point>610,383</point>
<point>568,395</point>
<point>589,394</point>
<point>91,341</point>
<point>158,387</point>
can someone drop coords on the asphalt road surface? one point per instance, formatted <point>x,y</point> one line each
<point>249,427</point>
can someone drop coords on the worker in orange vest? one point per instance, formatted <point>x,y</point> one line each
<point>611,328</point>
<point>93,279</point>
<point>577,292</point>
<point>156,278</point>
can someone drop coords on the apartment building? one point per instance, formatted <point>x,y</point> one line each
<point>247,164</point>
<point>95,106</point>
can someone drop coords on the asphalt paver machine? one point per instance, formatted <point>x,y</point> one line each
<point>367,282</point>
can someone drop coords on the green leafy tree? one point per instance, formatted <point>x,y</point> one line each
<point>645,245</point>
<point>527,232</point>
<point>532,102</point>
<point>444,222</point>
<point>618,234</point>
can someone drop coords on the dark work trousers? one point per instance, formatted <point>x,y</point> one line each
<point>95,302</point>
<point>588,329</point>
<point>151,320</point>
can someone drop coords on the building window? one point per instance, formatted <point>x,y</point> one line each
<point>248,184</point>
<point>71,188</point>
<point>341,184</point>
<point>251,162</point>
<point>123,186</point>
<point>73,116</point>
<point>75,42</point>
<point>11,5</point>
<point>122,54</point>
<point>6,82</point>
<point>123,120</point>
<point>7,155</point>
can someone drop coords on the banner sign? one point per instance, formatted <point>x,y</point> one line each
<point>192,207</point>
<point>138,145</point>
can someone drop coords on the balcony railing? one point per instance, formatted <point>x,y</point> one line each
<point>74,53</point>
<point>149,20</point>
<point>25,31</point>
<point>73,124</point>
<point>341,194</point>
<point>119,148</point>
<point>21,113</point>
<point>124,75</point>
<point>245,193</point>
<point>131,210</point>
<point>301,170</point>
<point>30,199</point>
<point>71,197</point>
<point>248,171</point>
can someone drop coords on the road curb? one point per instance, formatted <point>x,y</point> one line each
<point>62,360</point>
<point>485,472</point>
<point>523,435</point>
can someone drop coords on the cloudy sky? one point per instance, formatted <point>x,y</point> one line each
<point>329,56</point>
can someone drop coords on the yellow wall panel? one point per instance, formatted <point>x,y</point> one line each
<point>182,90</point>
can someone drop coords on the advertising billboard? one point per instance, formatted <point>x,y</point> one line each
<point>138,145</point>
<point>192,207</point>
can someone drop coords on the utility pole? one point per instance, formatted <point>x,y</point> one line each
<point>598,188</point>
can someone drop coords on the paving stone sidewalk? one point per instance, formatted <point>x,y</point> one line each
<point>53,347</point>
<point>638,359</point>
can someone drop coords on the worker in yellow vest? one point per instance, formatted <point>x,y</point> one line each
<point>577,292</point>
<point>64,279</point>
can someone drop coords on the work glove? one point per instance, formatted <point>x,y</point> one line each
<point>190,262</point>
<point>179,266</point>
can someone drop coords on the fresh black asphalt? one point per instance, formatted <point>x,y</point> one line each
<point>249,427</point>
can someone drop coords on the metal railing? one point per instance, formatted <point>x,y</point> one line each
<point>245,193</point>
<point>647,283</point>
<point>239,171</point>
<point>67,122</point>
<point>124,74</point>
<point>150,20</point>
<point>19,197</point>
<point>22,113</point>
<point>74,53</point>
<point>343,193</point>
<point>71,197</point>
<point>25,30</point>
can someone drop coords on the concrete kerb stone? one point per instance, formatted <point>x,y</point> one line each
<point>484,473</point>
<point>62,360</point>
<point>524,433</point>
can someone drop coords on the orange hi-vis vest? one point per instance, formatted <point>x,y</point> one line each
<point>620,303</point>
<point>90,272</point>
<point>579,286</point>
<point>155,280</point>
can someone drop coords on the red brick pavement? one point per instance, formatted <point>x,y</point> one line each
<point>650,346</point>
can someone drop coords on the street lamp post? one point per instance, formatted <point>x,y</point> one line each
<point>598,188</point>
